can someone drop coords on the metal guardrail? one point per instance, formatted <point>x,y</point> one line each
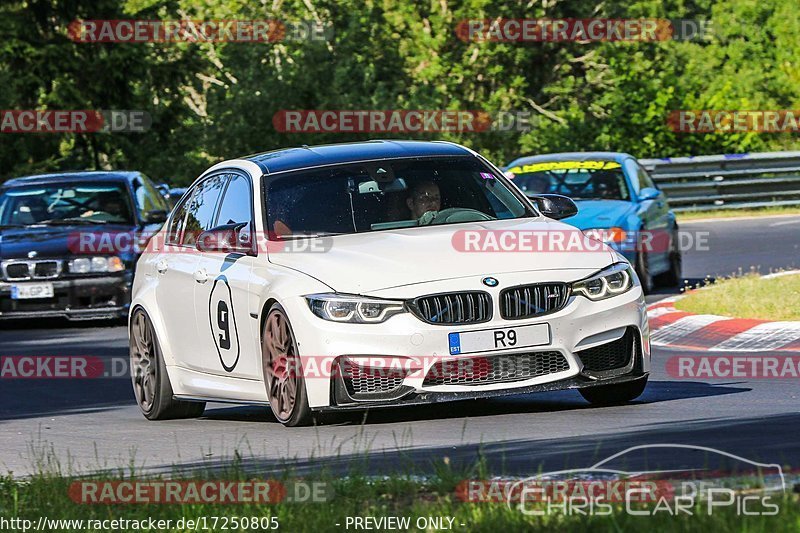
<point>728,181</point>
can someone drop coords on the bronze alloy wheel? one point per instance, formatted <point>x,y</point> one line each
<point>149,376</point>
<point>282,370</point>
<point>143,362</point>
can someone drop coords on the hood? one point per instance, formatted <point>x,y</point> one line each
<point>600,213</point>
<point>367,262</point>
<point>49,241</point>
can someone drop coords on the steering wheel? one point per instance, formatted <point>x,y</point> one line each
<point>453,215</point>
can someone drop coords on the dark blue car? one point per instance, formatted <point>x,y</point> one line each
<point>618,202</point>
<point>69,242</point>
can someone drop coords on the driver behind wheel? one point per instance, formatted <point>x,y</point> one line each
<point>111,207</point>
<point>606,186</point>
<point>424,197</point>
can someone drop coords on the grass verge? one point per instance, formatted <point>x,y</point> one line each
<point>736,213</point>
<point>748,296</point>
<point>47,496</point>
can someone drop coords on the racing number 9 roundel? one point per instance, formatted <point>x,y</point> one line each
<point>222,320</point>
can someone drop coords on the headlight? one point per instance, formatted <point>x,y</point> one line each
<point>86,265</point>
<point>615,234</point>
<point>354,309</point>
<point>614,280</point>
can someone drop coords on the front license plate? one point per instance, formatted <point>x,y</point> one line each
<point>491,340</point>
<point>26,291</point>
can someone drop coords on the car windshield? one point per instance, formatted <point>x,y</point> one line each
<point>580,180</point>
<point>65,203</point>
<point>388,194</point>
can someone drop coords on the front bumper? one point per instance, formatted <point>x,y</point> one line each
<point>420,398</point>
<point>581,325</point>
<point>90,298</point>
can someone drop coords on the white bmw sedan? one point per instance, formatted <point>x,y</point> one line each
<point>376,274</point>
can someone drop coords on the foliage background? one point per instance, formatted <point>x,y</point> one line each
<point>212,101</point>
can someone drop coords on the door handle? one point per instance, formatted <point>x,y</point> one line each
<point>201,276</point>
<point>161,266</point>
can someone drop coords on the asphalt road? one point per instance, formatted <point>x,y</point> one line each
<point>761,244</point>
<point>87,425</point>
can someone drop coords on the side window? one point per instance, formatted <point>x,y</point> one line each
<point>644,178</point>
<point>178,221</point>
<point>202,208</point>
<point>236,205</point>
<point>147,196</point>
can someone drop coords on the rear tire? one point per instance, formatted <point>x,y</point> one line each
<point>151,385</point>
<point>616,394</point>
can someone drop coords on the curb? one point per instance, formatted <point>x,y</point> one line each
<point>672,328</point>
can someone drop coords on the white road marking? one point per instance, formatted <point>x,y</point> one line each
<point>683,326</point>
<point>764,337</point>
<point>782,273</point>
<point>785,223</point>
<point>658,311</point>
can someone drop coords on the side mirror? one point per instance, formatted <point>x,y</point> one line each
<point>155,217</point>
<point>227,238</point>
<point>555,206</point>
<point>648,193</point>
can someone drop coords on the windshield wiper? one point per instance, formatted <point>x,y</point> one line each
<point>71,221</point>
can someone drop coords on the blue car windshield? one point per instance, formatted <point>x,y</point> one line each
<point>579,180</point>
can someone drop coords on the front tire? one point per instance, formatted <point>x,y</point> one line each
<point>151,385</point>
<point>674,276</point>
<point>616,394</point>
<point>643,272</point>
<point>283,371</point>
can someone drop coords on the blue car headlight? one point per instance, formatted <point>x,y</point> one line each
<point>607,235</point>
